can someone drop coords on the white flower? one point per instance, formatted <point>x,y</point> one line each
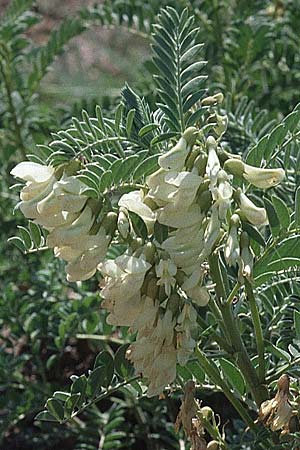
<point>133,202</point>
<point>154,354</point>
<point>175,217</point>
<point>184,246</point>
<point>69,234</point>
<point>245,261</point>
<point>175,158</point>
<point>186,324</point>
<point>263,178</point>
<point>222,194</point>
<point>213,164</point>
<point>83,258</point>
<point>166,270</point>
<point>194,289</point>
<point>123,279</point>
<point>159,191</point>
<point>255,215</point>
<point>212,233</point>
<point>186,184</point>
<point>33,172</point>
<point>232,246</point>
<point>65,196</point>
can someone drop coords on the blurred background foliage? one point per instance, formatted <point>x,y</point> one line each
<point>57,58</point>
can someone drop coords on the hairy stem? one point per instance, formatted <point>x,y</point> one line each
<point>258,331</point>
<point>213,372</point>
<point>242,358</point>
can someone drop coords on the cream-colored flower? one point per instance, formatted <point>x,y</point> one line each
<point>175,158</point>
<point>186,324</point>
<point>154,354</point>
<point>232,246</point>
<point>213,164</point>
<point>254,214</point>
<point>32,172</point>
<point>133,201</point>
<point>83,266</point>
<point>159,190</point>
<point>65,196</point>
<point>121,288</point>
<point>174,217</point>
<point>263,178</point>
<point>186,185</point>
<point>222,194</point>
<point>194,289</point>
<point>69,234</point>
<point>165,271</point>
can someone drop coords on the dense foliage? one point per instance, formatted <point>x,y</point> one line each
<point>57,348</point>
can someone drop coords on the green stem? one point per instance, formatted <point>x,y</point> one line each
<point>258,332</point>
<point>243,360</point>
<point>214,374</point>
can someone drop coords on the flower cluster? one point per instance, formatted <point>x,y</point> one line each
<point>190,207</point>
<point>54,200</point>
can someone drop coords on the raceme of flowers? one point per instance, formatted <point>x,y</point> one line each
<point>157,285</point>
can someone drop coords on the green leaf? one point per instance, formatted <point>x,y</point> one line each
<point>55,408</point>
<point>297,322</point>
<point>104,359</point>
<point>122,366</point>
<point>272,217</point>
<point>129,121</point>
<point>197,371</point>
<point>45,416</point>
<point>233,375</point>
<point>18,242</point>
<point>282,212</point>
<point>25,236</point>
<point>95,381</point>
<point>297,208</point>
<point>35,233</point>
<point>253,233</point>
<point>283,256</point>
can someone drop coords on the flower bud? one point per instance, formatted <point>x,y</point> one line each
<point>190,135</point>
<point>213,164</point>
<point>200,164</point>
<point>246,260</point>
<point>232,246</point>
<point>207,412</point>
<point>235,167</point>
<point>205,201</point>
<point>123,223</point>
<point>109,222</point>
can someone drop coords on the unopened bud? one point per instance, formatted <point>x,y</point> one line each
<point>235,167</point>
<point>200,164</point>
<point>207,412</point>
<point>205,201</point>
<point>123,223</point>
<point>149,251</point>
<point>110,222</point>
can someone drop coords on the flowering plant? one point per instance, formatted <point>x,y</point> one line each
<point>188,219</point>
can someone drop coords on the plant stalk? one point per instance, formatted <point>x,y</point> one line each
<point>213,373</point>
<point>258,332</point>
